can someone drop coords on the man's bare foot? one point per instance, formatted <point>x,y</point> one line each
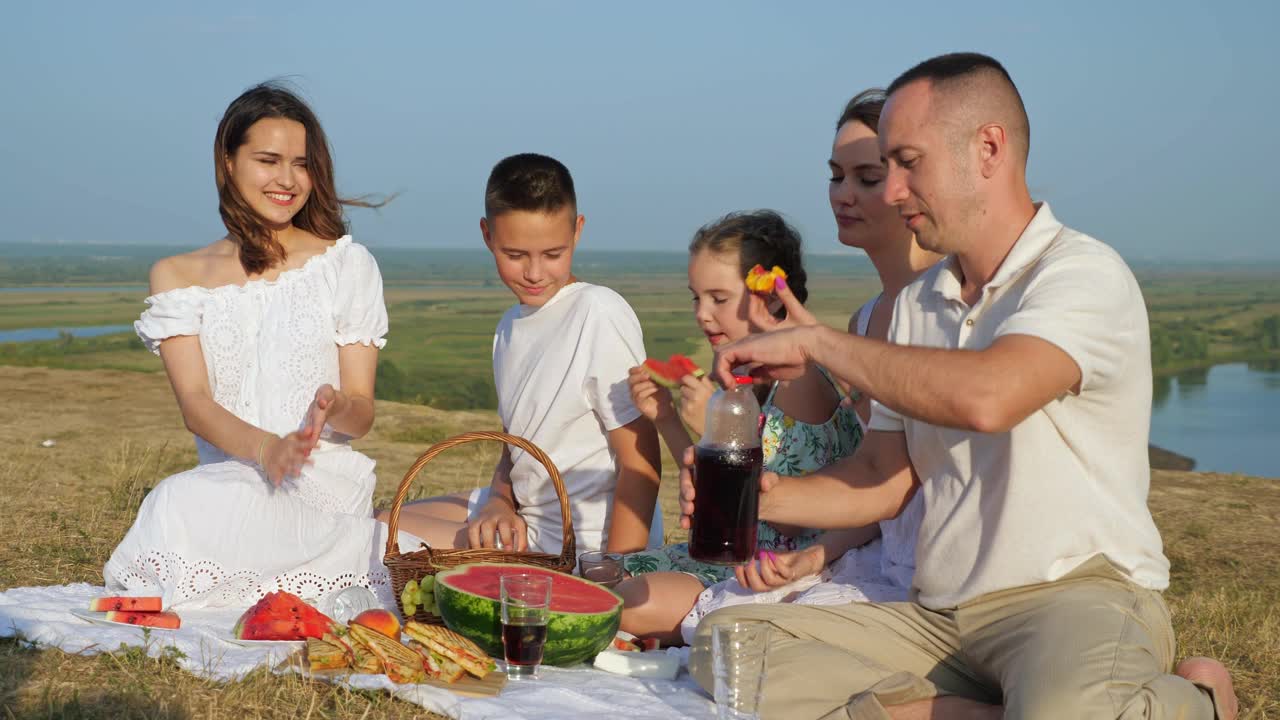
<point>1213,674</point>
<point>947,706</point>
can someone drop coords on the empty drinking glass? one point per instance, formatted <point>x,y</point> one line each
<point>738,664</point>
<point>601,567</point>
<point>344,604</point>
<point>526,608</point>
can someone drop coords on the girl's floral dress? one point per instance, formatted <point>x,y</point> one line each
<point>791,447</point>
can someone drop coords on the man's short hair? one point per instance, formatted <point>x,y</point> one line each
<point>529,182</point>
<point>970,78</point>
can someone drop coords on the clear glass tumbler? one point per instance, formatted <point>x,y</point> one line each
<point>526,608</point>
<point>738,653</point>
<point>601,567</point>
<point>342,605</point>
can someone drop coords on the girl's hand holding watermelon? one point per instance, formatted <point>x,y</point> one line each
<point>694,393</point>
<point>651,399</point>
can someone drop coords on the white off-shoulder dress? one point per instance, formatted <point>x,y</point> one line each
<point>220,534</point>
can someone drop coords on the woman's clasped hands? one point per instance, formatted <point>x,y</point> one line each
<point>284,457</point>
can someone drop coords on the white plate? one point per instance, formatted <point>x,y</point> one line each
<point>100,618</point>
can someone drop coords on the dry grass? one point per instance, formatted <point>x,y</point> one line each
<point>1222,535</point>
<point>66,507</point>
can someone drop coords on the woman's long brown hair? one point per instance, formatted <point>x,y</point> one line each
<point>321,215</point>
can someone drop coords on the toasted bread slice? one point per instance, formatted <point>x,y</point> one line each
<point>364,660</point>
<point>339,640</point>
<point>324,655</point>
<point>438,666</point>
<point>453,646</point>
<point>401,664</point>
<point>409,674</point>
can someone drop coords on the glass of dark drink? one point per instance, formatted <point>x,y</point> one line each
<point>526,607</point>
<point>727,464</point>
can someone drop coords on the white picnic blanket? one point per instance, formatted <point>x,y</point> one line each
<point>43,616</point>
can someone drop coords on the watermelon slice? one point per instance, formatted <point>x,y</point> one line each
<point>668,374</point>
<point>584,615</point>
<point>131,604</point>
<point>166,620</point>
<point>625,642</point>
<point>282,616</point>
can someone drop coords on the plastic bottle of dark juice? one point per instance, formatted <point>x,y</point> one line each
<point>727,464</point>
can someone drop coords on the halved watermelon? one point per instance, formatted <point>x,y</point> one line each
<point>668,374</point>
<point>282,616</point>
<point>131,604</point>
<point>584,615</point>
<point>167,620</point>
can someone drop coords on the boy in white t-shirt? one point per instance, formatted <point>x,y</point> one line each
<point>561,356</point>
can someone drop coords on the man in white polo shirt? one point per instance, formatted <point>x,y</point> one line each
<point>1016,394</point>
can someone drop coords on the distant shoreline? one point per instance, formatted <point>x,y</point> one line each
<point>1228,359</point>
<point>1162,459</point>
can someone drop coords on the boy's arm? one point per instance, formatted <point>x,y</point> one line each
<point>635,447</point>
<point>616,342</point>
<point>500,483</point>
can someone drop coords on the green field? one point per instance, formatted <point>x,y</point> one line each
<point>444,304</point>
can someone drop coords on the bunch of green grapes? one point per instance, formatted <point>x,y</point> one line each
<point>419,594</point>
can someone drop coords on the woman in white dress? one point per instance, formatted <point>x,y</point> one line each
<point>880,570</point>
<point>270,339</point>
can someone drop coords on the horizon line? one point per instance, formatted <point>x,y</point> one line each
<point>838,252</point>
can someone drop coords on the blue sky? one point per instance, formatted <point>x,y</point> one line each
<point>1152,123</point>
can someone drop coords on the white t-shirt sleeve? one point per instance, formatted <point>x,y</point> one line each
<point>1084,305</point>
<point>616,346</point>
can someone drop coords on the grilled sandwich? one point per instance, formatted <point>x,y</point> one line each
<point>401,664</point>
<point>451,646</point>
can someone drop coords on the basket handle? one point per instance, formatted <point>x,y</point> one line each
<point>568,545</point>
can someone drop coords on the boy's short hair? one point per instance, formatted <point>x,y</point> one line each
<point>529,182</point>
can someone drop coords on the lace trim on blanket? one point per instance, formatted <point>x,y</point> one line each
<point>216,585</point>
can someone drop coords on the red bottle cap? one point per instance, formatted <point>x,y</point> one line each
<point>743,380</point>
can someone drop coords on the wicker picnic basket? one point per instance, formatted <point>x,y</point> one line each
<point>427,561</point>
